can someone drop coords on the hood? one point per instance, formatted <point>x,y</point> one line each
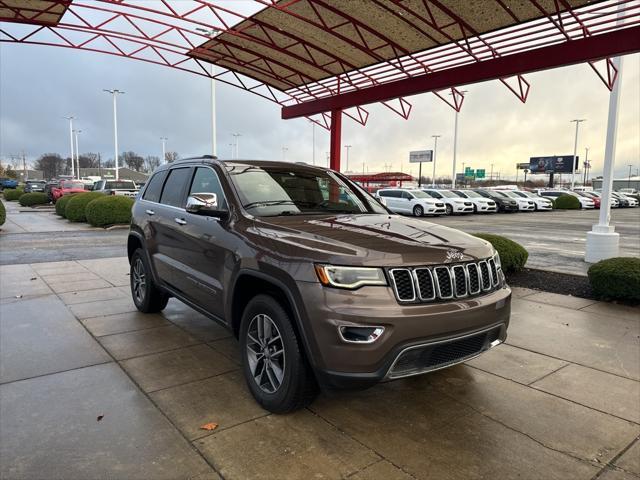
<point>371,240</point>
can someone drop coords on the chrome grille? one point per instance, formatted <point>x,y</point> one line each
<point>444,282</point>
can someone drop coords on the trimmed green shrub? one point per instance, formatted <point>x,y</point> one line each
<point>35,198</point>
<point>11,194</point>
<point>109,210</point>
<point>61,204</point>
<point>3,214</point>
<point>568,202</point>
<point>513,256</point>
<point>616,278</point>
<point>74,211</point>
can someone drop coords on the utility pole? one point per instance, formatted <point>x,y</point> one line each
<point>435,149</point>
<point>455,142</point>
<point>586,166</point>
<point>78,153</point>
<point>313,142</point>
<point>236,137</point>
<point>628,181</point>
<point>114,92</point>
<point>164,149</point>
<point>26,175</point>
<point>348,147</point>
<point>491,174</point>
<point>575,151</point>
<point>70,118</point>
<point>212,33</point>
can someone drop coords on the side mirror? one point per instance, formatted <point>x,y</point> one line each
<point>204,204</point>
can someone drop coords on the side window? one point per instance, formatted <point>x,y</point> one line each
<point>153,190</point>
<point>205,180</point>
<point>172,193</point>
<point>393,193</point>
<point>407,195</point>
<point>382,193</point>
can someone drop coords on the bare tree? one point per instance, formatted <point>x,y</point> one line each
<point>171,157</point>
<point>151,163</point>
<point>52,165</point>
<point>133,161</point>
<point>88,160</point>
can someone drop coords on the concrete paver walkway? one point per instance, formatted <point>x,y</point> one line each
<point>91,388</point>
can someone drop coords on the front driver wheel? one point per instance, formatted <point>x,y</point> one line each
<point>147,297</point>
<point>273,362</point>
<point>418,211</point>
<point>449,209</point>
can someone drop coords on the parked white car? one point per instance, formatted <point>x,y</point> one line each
<point>632,201</point>
<point>585,203</point>
<point>453,203</point>
<point>413,202</point>
<point>524,204</point>
<point>539,202</point>
<point>480,203</point>
<point>615,203</point>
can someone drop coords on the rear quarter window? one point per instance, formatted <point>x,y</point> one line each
<point>154,189</point>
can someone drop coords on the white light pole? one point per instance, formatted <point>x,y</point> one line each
<point>70,118</point>
<point>602,241</point>
<point>164,149</point>
<point>575,152</point>
<point>313,142</point>
<point>114,92</point>
<point>236,141</point>
<point>212,33</point>
<point>348,147</point>
<point>455,143</point>
<point>435,149</point>
<point>284,153</point>
<point>78,132</point>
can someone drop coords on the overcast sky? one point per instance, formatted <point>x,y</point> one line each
<point>40,85</point>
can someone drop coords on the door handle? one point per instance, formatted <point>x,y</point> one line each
<point>149,212</point>
<point>180,221</point>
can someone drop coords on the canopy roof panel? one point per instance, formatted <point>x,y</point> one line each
<point>42,12</point>
<point>293,43</point>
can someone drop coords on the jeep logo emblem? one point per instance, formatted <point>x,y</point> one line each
<point>454,255</point>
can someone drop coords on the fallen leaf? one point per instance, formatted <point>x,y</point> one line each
<point>34,278</point>
<point>209,426</point>
<point>100,417</point>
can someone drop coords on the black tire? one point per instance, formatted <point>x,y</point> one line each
<point>147,297</point>
<point>418,211</point>
<point>297,387</point>
<point>449,209</point>
<point>475,208</point>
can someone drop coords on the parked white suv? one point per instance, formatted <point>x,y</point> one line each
<point>480,204</point>
<point>453,203</point>
<point>414,202</point>
<point>539,202</point>
<point>585,203</point>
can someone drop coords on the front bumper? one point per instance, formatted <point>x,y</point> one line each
<point>340,365</point>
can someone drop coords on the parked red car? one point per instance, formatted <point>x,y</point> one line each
<point>595,198</point>
<point>66,187</point>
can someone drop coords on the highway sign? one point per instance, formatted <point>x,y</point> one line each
<point>480,173</point>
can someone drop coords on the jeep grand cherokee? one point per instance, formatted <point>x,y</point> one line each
<point>321,284</point>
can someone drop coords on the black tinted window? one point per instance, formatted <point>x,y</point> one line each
<point>407,195</point>
<point>172,193</point>
<point>152,193</point>
<point>393,193</point>
<point>206,181</point>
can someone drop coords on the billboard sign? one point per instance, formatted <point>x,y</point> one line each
<point>459,177</point>
<point>553,164</point>
<point>522,166</point>
<point>420,156</point>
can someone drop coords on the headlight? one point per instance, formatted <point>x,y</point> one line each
<point>349,277</point>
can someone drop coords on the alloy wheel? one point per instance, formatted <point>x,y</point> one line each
<point>265,353</point>
<point>139,281</point>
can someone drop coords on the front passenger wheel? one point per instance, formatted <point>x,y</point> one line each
<point>147,297</point>
<point>274,365</point>
<point>418,211</point>
<point>449,209</point>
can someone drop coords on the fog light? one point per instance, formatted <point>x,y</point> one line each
<point>360,334</point>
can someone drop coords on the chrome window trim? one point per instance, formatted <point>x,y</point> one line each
<point>417,282</point>
<point>395,287</point>
<point>455,283</point>
<point>493,344</point>
<point>437,280</point>
<point>475,266</point>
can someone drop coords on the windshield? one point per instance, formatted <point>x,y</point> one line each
<point>460,194</point>
<point>268,191</point>
<point>448,194</point>
<point>512,194</point>
<point>419,194</point>
<point>471,194</point>
<point>522,194</point>
<point>72,185</point>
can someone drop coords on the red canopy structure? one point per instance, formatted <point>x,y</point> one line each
<point>325,58</point>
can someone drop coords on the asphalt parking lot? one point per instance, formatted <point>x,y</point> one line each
<point>90,388</point>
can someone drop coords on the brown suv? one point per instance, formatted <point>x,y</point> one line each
<point>322,285</point>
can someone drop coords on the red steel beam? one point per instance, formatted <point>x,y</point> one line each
<point>335,139</point>
<point>610,44</point>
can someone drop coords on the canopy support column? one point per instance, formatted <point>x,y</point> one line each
<point>336,139</point>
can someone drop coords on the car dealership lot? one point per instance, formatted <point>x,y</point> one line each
<point>555,240</point>
<point>93,388</point>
